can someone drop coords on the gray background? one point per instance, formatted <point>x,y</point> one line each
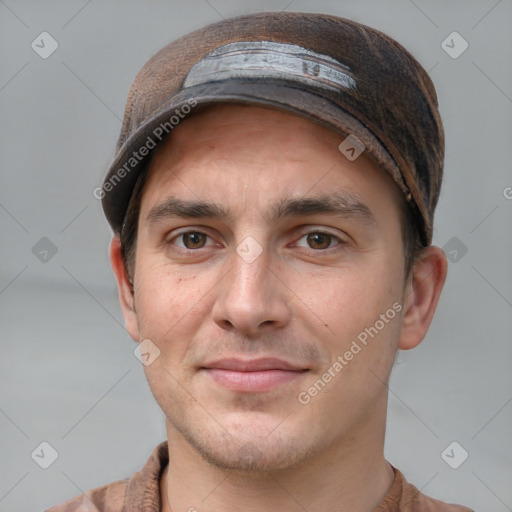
<point>68,373</point>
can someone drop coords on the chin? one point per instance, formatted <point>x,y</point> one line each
<point>249,444</point>
<point>252,456</point>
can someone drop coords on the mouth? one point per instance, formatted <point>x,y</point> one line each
<point>253,376</point>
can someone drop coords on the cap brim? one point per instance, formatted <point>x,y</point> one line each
<point>122,176</point>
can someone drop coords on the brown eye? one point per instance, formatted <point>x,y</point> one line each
<point>194,240</point>
<point>319,240</point>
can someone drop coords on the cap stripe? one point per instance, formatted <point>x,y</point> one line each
<point>269,59</point>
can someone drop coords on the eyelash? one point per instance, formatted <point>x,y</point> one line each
<point>305,234</point>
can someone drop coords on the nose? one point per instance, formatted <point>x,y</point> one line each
<point>252,297</point>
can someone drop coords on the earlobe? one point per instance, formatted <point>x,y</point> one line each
<point>422,295</point>
<point>125,289</point>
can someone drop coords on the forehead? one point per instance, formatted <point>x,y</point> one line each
<point>228,151</point>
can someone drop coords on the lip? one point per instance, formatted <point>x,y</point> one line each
<point>253,365</point>
<point>252,376</point>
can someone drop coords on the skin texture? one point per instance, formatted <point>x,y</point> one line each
<point>304,299</point>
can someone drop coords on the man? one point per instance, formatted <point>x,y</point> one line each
<point>272,199</point>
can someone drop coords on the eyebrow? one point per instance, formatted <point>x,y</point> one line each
<point>345,205</point>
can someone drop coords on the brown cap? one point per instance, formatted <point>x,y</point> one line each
<point>347,76</point>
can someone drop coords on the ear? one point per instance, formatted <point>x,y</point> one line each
<point>421,296</point>
<point>126,296</point>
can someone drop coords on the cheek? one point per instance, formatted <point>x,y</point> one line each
<point>169,303</point>
<point>366,341</point>
<point>363,316</point>
<point>351,301</point>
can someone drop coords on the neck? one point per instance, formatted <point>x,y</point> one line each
<point>351,476</point>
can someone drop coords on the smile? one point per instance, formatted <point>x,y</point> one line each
<point>252,376</point>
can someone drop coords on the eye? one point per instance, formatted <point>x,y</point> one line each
<point>190,240</point>
<point>319,240</point>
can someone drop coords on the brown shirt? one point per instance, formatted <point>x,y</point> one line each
<point>141,493</point>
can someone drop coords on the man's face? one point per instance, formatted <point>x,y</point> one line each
<point>251,309</point>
